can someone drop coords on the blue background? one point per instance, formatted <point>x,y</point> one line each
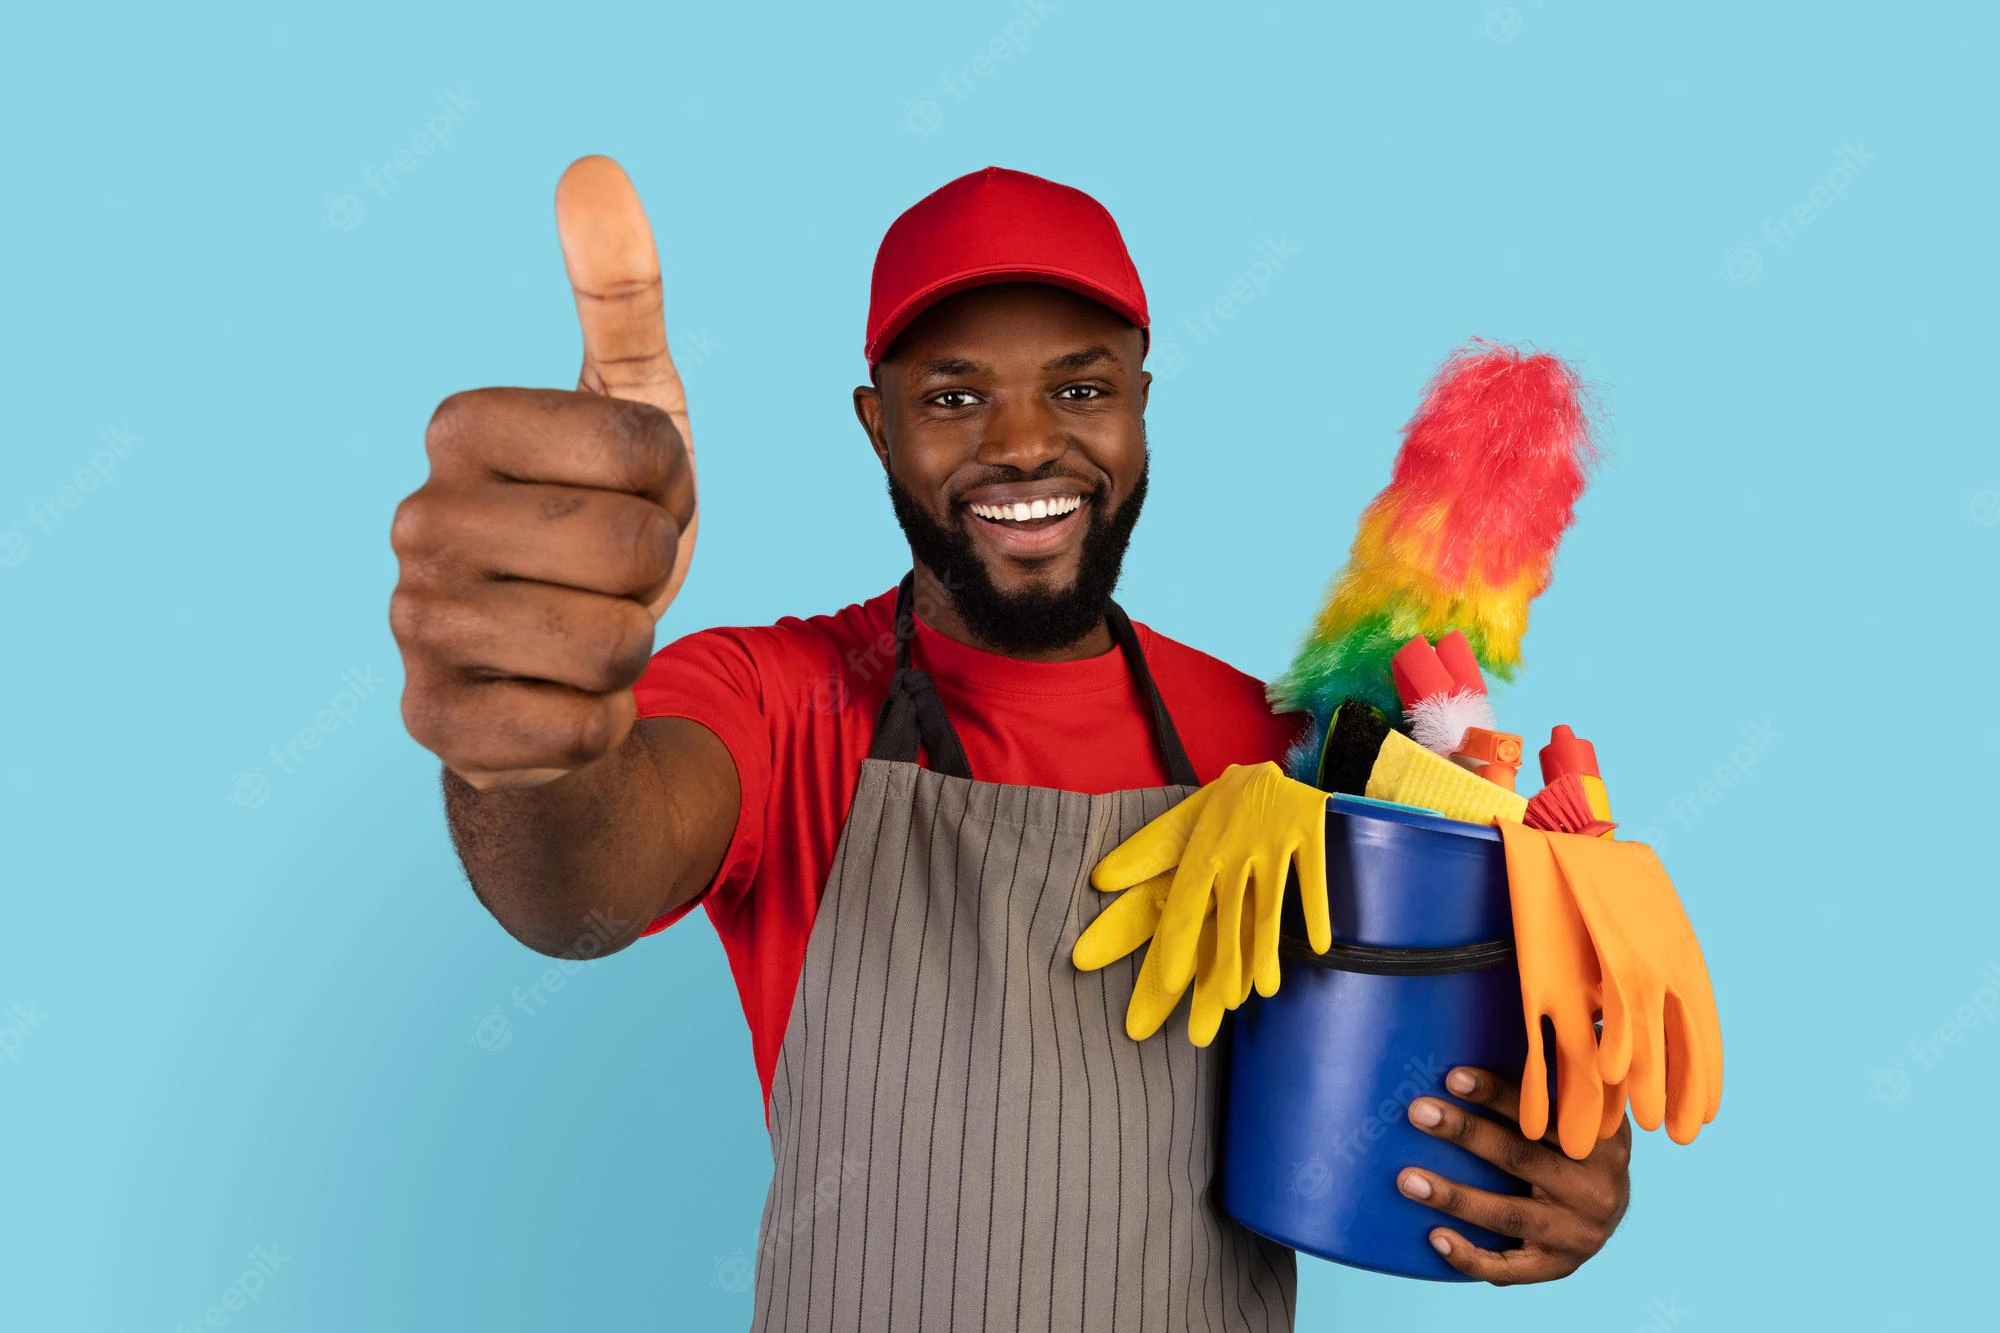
<point>246,998</point>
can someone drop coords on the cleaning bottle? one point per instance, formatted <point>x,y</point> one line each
<point>1565,754</point>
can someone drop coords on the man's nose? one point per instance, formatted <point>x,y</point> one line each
<point>1022,435</point>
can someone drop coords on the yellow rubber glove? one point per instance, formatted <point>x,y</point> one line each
<point>1232,846</point>
<point>1662,1035</point>
<point>1127,924</point>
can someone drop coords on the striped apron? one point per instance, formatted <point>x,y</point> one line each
<point>963,1136</point>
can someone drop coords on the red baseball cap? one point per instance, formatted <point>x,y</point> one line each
<point>993,226</point>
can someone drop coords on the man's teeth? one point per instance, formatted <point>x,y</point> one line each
<point>1023,510</point>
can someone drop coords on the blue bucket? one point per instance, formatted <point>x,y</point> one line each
<point>1421,978</point>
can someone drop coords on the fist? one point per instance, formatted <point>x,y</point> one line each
<point>554,528</point>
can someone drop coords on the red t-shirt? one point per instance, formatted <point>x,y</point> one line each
<point>795,704</point>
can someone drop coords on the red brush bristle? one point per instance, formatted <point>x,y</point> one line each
<point>1561,807</point>
<point>1499,448</point>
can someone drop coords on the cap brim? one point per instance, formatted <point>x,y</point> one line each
<point>924,298</point>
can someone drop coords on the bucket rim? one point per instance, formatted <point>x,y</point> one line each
<point>1368,810</point>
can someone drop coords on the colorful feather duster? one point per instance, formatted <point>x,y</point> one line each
<point>1462,538</point>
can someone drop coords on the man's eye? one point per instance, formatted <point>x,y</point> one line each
<point>952,398</point>
<point>1079,393</point>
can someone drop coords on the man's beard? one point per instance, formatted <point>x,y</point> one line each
<point>1035,621</point>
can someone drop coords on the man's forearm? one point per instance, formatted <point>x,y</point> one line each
<point>579,866</point>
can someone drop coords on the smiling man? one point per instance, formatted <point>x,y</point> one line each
<point>890,812</point>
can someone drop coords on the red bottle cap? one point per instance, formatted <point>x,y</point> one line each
<point>1566,754</point>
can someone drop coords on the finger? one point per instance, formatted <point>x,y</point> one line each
<point>1533,1109</point>
<point>514,733</point>
<point>1698,995</point>
<point>614,272</point>
<point>1503,1145</point>
<point>1153,998</point>
<point>529,631</point>
<point>1503,1268</point>
<point>1209,1005</point>
<point>1687,1073</point>
<point>1646,1081</point>
<point>1154,849</point>
<point>1267,903</point>
<point>1579,1086</point>
<point>1311,861</point>
<point>1231,933</point>
<point>1514,1215</point>
<point>1615,1041</point>
<point>1614,1111</point>
<point>1191,898</point>
<point>1126,922</point>
<point>565,439</point>
<point>568,536</point>
<point>1483,1087</point>
<point>1245,953</point>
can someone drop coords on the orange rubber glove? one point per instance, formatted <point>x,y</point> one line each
<point>1662,1035</point>
<point>1560,982</point>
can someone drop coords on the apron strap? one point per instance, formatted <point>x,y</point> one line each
<point>914,714</point>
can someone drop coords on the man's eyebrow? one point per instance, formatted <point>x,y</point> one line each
<point>1089,356</point>
<point>950,365</point>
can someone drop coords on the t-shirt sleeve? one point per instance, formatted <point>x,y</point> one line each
<point>712,677</point>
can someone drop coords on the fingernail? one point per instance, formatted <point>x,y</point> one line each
<point>1440,1244</point>
<point>1427,1114</point>
<point>1416,1186</point>
<point>1461,1081</point>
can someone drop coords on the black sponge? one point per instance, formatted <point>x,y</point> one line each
<point>1354,738</point>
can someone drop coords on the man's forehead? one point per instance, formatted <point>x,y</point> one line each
<point>1099,354</point>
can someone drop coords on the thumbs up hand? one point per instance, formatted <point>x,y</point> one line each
<point>555,527</point>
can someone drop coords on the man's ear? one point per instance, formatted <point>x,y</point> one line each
<point>1145,389</point>
<point>868,411</point>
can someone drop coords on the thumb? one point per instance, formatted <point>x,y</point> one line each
<point>614,272</point>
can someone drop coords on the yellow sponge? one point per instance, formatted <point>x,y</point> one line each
<point>1408,774</point>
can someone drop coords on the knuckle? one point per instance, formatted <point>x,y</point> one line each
<point>645,445</point>
<point>654,541</point>
<point>1520,1157</point>
<point>427,718</point>
<point>587,735</point>
<point>1599,1200</point>
<point>447,431</point>
<point>411,530</point>
<point>619,643</point>
<point>409,618</point>
<point>1511,1220</point>
<point>1460,1127</point>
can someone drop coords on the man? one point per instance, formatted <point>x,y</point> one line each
<point>891,812</point>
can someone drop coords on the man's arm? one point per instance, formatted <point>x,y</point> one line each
<point>534,563</point>
<point>579,867</point>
